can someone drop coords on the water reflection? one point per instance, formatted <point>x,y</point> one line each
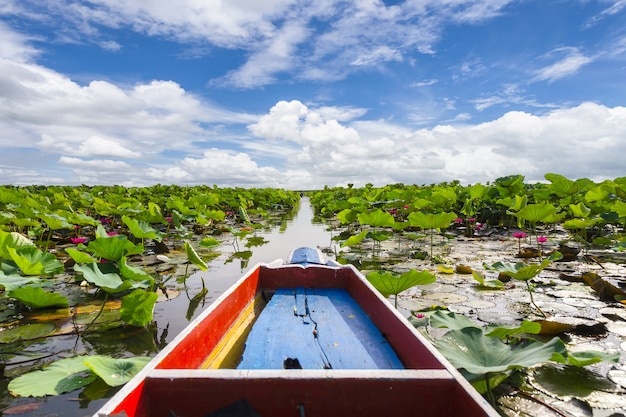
<point>267,245</point>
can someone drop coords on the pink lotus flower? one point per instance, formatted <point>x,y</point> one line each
<point>519,235</point>
<point>78,240</point>
<point>168,219</point>
<point>112,233</point>
<point>478,227</point>
<point>458,220</point>
<point>542,239</point>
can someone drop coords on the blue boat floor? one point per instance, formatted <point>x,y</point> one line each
<point>316,329</point>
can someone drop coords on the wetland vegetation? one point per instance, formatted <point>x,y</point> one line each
<point>532,274</point>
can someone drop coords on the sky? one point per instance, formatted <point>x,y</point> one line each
<point>302,94</point>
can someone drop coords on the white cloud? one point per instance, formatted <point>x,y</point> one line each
<point>14,46</point>
<point>566,66</point>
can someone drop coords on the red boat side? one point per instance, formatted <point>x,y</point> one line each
<point>173,382</point>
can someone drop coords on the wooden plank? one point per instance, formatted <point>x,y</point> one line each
<point>346,334</point>
<point>316,329</point>
<point>281,339</point>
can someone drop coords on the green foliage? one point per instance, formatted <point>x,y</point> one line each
<point>70,374</point>
<point>36,297</point>
<point>137,307</point>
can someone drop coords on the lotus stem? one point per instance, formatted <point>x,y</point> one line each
<point>532,299</point>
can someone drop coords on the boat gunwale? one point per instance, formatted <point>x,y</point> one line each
<point>353,281</point>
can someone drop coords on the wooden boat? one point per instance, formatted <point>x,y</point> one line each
<point>299,338</point>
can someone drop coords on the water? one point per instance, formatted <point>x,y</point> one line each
<point>171,316</point>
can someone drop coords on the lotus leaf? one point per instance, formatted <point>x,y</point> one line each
<point>36,297</point>
<point>390,284</point>
<point>11,282</point>
<point>135,274</point>
<point>138,307</point>
<point>193,257</point>
<point>110,282</point>
<point>62,376</point>
<point>568,381</point>
<point>33,261</point>
<point>12,240</point>
<point>586,358</point>
<point>142,229</point>
<point>527,327</point>
<point>115,372</point>
<point>79,257</point>
<point>492,284</point>
<point>468,348</point>
<point>435,221</point>
<point>356,239</point>
<point>450,320</point>
<point>114,247</point>
<point>26,332</point>
<point>209,242</point>
<point>376,218</point>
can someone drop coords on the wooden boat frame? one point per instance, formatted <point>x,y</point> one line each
<point>187,378</point>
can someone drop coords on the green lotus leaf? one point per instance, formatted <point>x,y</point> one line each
<point>11,282</point>
<point>193,257</point>
<point>580,210</point>
<point>435,221</point>
<point>26,332</point>
<point>209,242</point>
<point>450,320</point>
<point>390,284</point>
<point>138,307</point>
<point>527,327</point>
<point>356,239</point>
<point>376,218</point>
<point>113,247</point>
<point>110,282</point>
<point>568,381</point>
<point>468,348</point>
<point>56,221</point>
<point>79,257</point>
<point>62,376</point>
<point>115,372</point>
<point>33,261</point>
<point>522,271</point>
<point>585,358</point>
<point>492,284</point>
<point>142,229</point>
<point>12,240</point>
<point>132,273</point>
<point>36,297</point>
<point>536,213</point>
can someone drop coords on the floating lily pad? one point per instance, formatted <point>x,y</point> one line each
<point>116,372</point>
<point>64,375</point>
<point>565,382</point>
<point>26,332</point>
<point>479,304</point>
<point>446,297</point>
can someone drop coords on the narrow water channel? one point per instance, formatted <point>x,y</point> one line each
<point>223,272</point>
<point>171,316</point>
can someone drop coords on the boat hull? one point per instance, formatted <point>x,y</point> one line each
<point>177,380</point>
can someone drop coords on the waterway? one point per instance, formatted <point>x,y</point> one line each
<point>172,315</point>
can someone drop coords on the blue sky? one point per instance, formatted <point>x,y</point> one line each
<point>303,94</point>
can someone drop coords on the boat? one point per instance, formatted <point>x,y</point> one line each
<point>301,337</point>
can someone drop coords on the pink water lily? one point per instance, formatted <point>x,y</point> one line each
<point>519,235</point>
<point>78,240</point>
<point>542,239</point>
